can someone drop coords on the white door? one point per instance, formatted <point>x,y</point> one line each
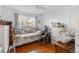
<point>1,38</point>
<point>1,34</point>
<point>5,37</point>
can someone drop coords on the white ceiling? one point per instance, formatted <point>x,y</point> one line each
<point>32,8</point>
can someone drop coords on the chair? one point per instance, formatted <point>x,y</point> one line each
<point>45,34</point>
<point>44,37</point>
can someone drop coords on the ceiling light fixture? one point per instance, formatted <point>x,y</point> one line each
<point>40,7</point>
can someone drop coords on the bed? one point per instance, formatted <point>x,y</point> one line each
<point>21,39</point>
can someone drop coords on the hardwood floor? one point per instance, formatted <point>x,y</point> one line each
<point>36,47</point>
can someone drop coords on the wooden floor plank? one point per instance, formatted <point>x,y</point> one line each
<point>36,46</point>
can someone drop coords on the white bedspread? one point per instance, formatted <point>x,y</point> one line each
<point>27,38</point>
<point>28,34</point>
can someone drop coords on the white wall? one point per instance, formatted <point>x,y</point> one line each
<point>8,14</point>
<point>68,16</point>
<point>40,22</point>
<point>75,19</point>
<point>0,10</point>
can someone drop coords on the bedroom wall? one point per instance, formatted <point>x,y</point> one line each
<point>0,28</point>
<point>75,19</point>
<point>9,14</point>
<point>68,16</point>
<point>0,10</point>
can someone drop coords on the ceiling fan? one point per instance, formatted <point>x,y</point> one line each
<point>40,7</point>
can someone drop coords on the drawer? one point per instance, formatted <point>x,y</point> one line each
<point>76,37</point>
<point>77,48</point>
<point>76,41</point>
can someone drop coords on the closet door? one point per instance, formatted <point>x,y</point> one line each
<point>1,38</point>
<point>1,34</point>
<point>5,38</point>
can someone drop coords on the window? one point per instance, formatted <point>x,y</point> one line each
<point>26,21</point>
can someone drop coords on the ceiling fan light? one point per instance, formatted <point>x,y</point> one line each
<point>40,7</point>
